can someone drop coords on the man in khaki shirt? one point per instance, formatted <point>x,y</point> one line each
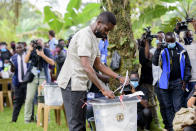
<point>82,55</point>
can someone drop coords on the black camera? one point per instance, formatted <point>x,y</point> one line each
<point>36,45</point>
<point>183,25</point>
<point>163,45</point>
<point>147,35</point>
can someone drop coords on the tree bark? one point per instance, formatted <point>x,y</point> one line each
<point>17,6</point>
<point>121,38</point>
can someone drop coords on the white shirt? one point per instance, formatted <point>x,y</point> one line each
<point>83,43</point>
<point>19,66</point>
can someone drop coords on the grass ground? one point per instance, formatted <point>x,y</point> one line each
<point>5,125</point>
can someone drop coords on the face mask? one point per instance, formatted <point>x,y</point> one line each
<point>6,65</point>
<point>98,34</point>
<point>171,45</point>
<point>3,49</point>
<point>134,83</point>
<point>157,41</point>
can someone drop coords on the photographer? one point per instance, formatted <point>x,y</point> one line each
<point>190,46</point>
<point>176,68</point>
<point>146,78</point>
<point>39,58</point>
<point>188,37</point>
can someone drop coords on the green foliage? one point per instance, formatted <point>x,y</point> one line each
<point>168,26</point>
<point>151,13</point>
<point>73,4</point>
<point>170,1</point>
<point>7,31</point>
<point>74,15</point>
<point>183,8</point>
<point>52,19</point>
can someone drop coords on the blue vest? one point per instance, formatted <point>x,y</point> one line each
<point>164,79</point>
<point>15,80</point>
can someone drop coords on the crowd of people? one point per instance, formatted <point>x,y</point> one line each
<point>167,73</point>
<point>29,66</point>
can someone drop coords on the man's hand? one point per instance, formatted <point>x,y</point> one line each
<point>30,48</point>
<point>40,53</point>
<point>183,85</point>
<point>122,80</point>
<point>108,94</point>
<point>144,103</point>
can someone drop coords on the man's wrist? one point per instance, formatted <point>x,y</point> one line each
<point>102,90</point>
<point>118,77</point>
<point>43,55</point>
<point>29,51</point>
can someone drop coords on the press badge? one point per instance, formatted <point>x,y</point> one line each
<point>35,71</point>
<point>91,95</point>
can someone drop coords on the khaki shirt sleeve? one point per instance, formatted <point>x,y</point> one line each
<point>84,45</point>
<point>98,53</point>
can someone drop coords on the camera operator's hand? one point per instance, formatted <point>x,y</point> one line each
<point>40,53</point>
<point>30,48</point>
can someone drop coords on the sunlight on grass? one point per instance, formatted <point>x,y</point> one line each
<point>5,125</point>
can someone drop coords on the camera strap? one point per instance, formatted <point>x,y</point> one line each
<point>38,76</point>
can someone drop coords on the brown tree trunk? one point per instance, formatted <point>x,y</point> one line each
<point>17,6</point>
<point>121,37</point>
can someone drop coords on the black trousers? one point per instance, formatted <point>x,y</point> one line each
<point>75,112</point>
<point>18,99</point>
<point>144,118</point>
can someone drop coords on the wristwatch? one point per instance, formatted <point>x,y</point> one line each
<point>118,77</point>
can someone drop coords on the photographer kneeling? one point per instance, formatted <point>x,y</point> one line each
<point>39,58</point>
<point>176,72</point>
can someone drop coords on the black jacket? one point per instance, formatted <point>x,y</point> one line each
<point>178,48</point>
<point>146,70</point>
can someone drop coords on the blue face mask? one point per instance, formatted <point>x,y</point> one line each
<point>157,41</point>
<point>3,49</point>
<point>134,83</point>
<point>6,65</point>
<point>171,45</point>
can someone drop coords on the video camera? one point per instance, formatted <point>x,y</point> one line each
<point>36,45</point>
<point>36,60</point>
<point>182,25</point>
<point>146,36</point>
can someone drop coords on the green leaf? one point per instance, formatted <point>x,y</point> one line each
<point>90,10</point>
<point>55,25</point>
<point>169,25</point>
<point>73,4</point>
<point>48,14</point>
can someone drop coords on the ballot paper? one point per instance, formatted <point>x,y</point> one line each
<point>138,93</point>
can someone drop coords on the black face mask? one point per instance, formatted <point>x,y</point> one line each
<point>98,34</point>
